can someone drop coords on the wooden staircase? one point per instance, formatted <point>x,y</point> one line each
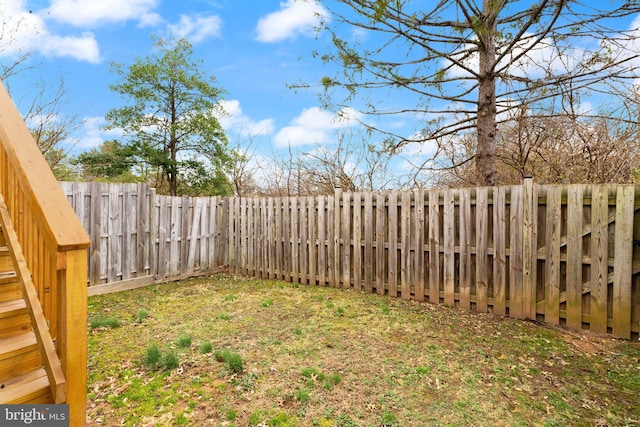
<point>43,278</point>
<point>23,358</point>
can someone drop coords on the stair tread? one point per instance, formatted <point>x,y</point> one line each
<point>25,387</point>
<point>13,345</point>
<point>12,306</point>
<point>8,277</point>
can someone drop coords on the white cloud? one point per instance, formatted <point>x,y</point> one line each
<point>196,29</point>
<point>313,126</point>
<point>83,13</point>
<point>82,48</point>
<point>93,133</point>
<point>27,31</point>
<point>235,120</point>
<point>294,17</point>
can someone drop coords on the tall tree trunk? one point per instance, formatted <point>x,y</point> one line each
<point>173,167</point>
<point>486,121</point>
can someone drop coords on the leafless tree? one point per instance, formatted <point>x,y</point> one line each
<point>461,67</point>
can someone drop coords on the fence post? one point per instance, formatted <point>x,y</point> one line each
<point>529,249</point>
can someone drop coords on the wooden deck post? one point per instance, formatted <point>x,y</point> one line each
<point>72,273</point>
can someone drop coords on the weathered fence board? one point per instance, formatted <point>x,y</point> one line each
<point>560,254</point>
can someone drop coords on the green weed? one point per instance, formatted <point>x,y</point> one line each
<point>302,396</point>
<point>152,357</point>
<point>184,341</point>
<point>104,322</point>
<point>206,347</point>
<point>233,360</point>
<point>142,314</point>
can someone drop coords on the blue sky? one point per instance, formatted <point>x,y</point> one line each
<point>253,48</point>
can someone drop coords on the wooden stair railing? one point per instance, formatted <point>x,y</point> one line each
<point>54,245</point>
<point>27,345</point>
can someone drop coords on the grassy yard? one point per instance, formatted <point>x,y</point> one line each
<point>227,351</point>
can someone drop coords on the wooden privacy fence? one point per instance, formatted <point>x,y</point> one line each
<point>138,237</point>
<point>561,254</point>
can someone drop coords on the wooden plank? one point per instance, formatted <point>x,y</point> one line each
<point>529,249</point>
<point>271,236</point>
<point>96,233</point>
<point>249,238</point>
<point>194,235</point>
<point>418,232</point>
<point>449,247</point>
<point>115,234</point>
<point>143,246</point>
<point>244,236</point>
<point>294,239</point>
<point>175,235</point>
<point>278,238</point>
<point>128,215</point>
<point>622,272</point>
<point>575,200</point>
<point>224,240</point>
<point>304,241</point>
<point>322,241</point>
<point>434,247</point>
<point>333,231</point>
<point>346,240</point>
<point>392,256</point>
<point>235,235</point>
<point>337,228</point>
<point>515,253</point>
<point>357,241</point>
<point>204,235</point>
<point>312,233</point>
<point>186,216</point>
<point>265,227</point>
<point>368,242</point>
<point>405,245</point>
<point>381,220</point>
<point>465,248</point>
<point>482,225</point>
<point>599,255</point>
<point>552,259</point>
<point>153,232</point>
<point>499,251</point>
<point>214,233</point>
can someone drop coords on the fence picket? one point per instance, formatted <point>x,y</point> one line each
<point>622,269</point>
<point>465,249</point>
<point>357,241</point>
<point>552,260</point>
<point>449,247</point>
<point>574,256</point>
<point>392,255</point>
<point>482,225</point>
<point>434,247</point>
<point>380,244</point>
<point>499,251</point>
<point>368,242</point>
<point>418,232</point>
<point>515,253</point>
<point>599,259</point>
<point>405,246</point>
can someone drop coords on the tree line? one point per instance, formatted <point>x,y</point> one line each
<point>500,90</point>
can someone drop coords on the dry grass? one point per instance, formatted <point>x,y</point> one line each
<point>327,357</point>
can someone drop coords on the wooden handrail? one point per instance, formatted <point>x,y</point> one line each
<point>45,342</point>
<point>54,245</point>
